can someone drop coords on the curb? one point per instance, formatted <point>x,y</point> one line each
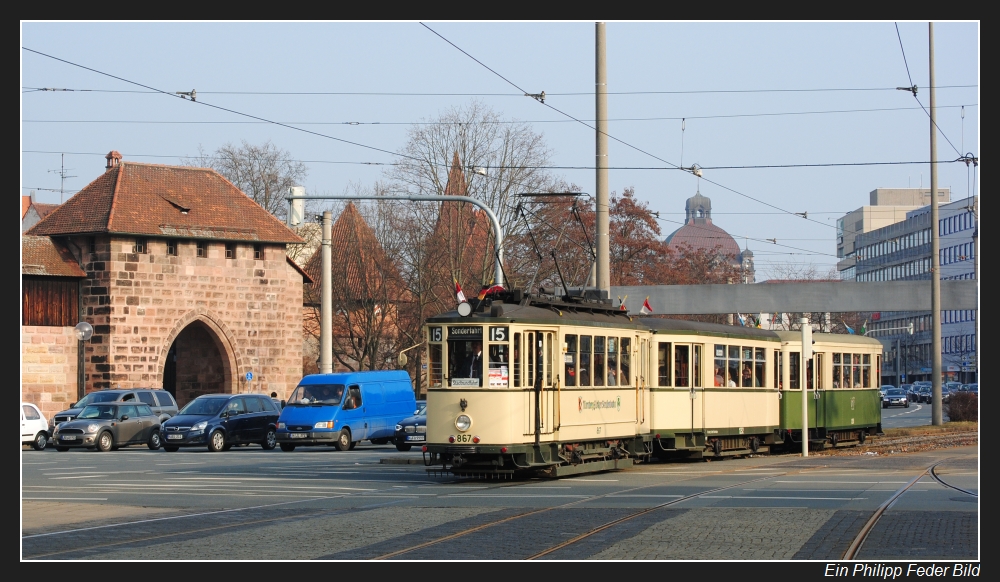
<point>400,461</point>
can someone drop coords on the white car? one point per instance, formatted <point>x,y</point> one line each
<point>34,428</point>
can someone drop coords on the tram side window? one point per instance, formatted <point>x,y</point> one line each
<point>793,370</point>
<point>434,355</point>
<point>584,371</point>
<point>696,364</point>
<point>663,360</point>
<point>866,366</point>
<point>820,384</point>
<point>599,360</point>
<point>758,370</point>
<point>570,360</point>
<point>857,371</point>
<point>681,378</point>
<point>499,366</point>
<point>836,371</point>
<point>612,361</point>
<point>547,353</point>
<point>778,359</point>
<point>517,360</point>
<point>734,367</point>
<point>746,371</point>
<point>625,377</point>
<point>720,365</point>
<point>809,374</point>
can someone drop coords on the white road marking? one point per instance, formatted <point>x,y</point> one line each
<point>55,533</point>
<point>776,497</point>
<point>80,477</point>
<point>849,482</point>
<point>65,499</point>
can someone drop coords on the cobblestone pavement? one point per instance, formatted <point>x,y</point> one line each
<point>719,533</point>
<point>927,535</point>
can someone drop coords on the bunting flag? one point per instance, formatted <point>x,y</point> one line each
<point>757,321</point>
<point>489,290</point>
<point>458,293</point>
<point>864,327</point>
<point>743,322</point>
<point>621,303</point>
<point>646,309</point>
<point>849,329</point>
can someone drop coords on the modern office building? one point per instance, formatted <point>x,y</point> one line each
<point>886,206</point>
<point>902,252</point>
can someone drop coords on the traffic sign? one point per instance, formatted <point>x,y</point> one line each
<point>249,376</point>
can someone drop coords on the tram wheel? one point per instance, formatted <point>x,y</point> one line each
<point>861,437</point>
<point>833,440</point>
<point>717,447</point>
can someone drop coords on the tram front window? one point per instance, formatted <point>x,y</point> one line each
<point>465,362</point>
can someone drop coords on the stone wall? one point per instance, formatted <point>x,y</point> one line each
<point>48,367</point>
<point>139,303</point>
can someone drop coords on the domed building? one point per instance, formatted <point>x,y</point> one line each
<point>700,233</point>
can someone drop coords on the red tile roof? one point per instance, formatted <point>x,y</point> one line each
<point>166,201</point>
<point>361,269</point>
<point>40,255</point>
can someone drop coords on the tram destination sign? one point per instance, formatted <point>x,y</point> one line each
<point>465,332</point>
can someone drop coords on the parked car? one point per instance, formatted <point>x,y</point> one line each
<point>34,429</point>
<point>924,393</point>
<point>884,388</point>
<point>161,402</point>
<point>971,388</point>
<point>345,408</point>
<point>108,426</point>
<point>411,430</point>
<point>895,397</point>
<point>949,388</point>
<point>220,421</point>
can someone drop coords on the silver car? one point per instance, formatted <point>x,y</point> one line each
<point>106,427</point>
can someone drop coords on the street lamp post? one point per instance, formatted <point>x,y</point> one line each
<point>84,331</point>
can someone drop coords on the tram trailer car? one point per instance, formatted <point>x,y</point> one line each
<point>842,378</point>
<point>557,388</point>
<point>713,389</point>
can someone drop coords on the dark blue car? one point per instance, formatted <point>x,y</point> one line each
<point>412,430</point>
<point>220,421</point>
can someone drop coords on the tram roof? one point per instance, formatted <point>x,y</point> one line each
<point>543,312</point>
<point>829,338</point>
<point>660,325</point>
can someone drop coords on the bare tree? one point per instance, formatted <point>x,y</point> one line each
<point>263,172</point>
<point>498,159</point>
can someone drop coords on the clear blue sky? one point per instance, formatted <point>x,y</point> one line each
<point>697,58</point>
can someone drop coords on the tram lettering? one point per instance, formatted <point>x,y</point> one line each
<point>435,334</point>
<point>498,334</point>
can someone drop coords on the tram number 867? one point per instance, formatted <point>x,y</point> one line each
<point>463,438</point>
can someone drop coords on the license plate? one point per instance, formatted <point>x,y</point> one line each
<point>415,438</point>
<point>298,435</point>
<point>175,436</point>
<point>67,438</point>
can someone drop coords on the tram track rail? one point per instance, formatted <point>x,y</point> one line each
<point>597,529</point>
<point>859,540</point>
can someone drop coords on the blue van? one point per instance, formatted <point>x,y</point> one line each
<point>343,409</point>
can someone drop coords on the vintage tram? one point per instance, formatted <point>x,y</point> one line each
<point>564,385</point>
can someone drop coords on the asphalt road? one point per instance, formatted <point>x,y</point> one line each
<point>915,415</point>
<point>321,503</point>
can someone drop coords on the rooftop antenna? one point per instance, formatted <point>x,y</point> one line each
<point>62,171</point>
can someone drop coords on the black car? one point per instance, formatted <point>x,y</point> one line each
<point>412,430</point>
<point>220,421</point>
<point>895,397</point>
<point>106,427</point>
<point>159,401</point>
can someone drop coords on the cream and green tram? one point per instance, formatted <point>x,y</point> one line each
<point>712,388</point>
<point>842,380</point>
<point>536,385</point>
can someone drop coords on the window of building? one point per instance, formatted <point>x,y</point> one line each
<point>230,250</point>
<point>171,247</point>
<point>141,246</point>
<point>200,249</point>
<point>258,252</point>
<point>92,244</point>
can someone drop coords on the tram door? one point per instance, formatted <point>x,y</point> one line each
<point>539,377</point>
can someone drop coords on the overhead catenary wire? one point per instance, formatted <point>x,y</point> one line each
<point>640,150</point>
<point>548,94</point>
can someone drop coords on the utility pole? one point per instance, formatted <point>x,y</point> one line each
<point>806,357</point>
<point>936,412</point>
<point>603,210</point>
<point>62,175</point>
<point>326,299</point>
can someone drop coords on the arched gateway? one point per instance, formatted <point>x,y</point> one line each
<point>200,359</point>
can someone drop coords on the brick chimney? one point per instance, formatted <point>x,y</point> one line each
<point>114,159</point>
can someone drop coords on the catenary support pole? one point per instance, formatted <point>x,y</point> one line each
<point>326,300</point>
<point>603,210</point>
<point>936,412</point>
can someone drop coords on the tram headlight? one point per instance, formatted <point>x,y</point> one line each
<point>463,422</point>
